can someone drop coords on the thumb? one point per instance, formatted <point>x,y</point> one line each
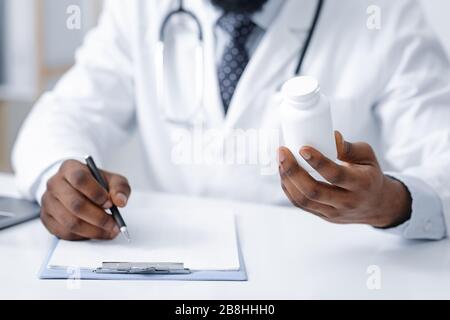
<point>357,153</point>
<point>119,189</point>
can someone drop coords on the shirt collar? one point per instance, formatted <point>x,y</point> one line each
<point>266,16</point>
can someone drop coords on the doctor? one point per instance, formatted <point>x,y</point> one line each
<point>389,87</point>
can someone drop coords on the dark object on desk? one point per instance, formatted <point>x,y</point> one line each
<point>14,211</point>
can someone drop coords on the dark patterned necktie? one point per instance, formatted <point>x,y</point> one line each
<point>235,57</point>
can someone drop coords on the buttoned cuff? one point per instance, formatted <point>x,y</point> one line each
<point>427,218</point>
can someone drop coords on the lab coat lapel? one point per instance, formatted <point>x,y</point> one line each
<point>279,48</point>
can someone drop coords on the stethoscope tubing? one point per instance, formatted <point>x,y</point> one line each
<point>182,11</point>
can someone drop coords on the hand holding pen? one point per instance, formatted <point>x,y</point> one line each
<point>114,211</point>
<point>74,203</point>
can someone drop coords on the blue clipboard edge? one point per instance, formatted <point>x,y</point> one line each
<point>46,273</point>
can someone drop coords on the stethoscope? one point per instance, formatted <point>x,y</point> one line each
<point>192,118</point>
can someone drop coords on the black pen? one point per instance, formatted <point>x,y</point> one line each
<point>114,211</point>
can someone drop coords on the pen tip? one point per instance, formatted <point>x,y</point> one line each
<point>125,233</point>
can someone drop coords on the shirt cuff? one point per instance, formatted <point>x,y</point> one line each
<point>427,217</point>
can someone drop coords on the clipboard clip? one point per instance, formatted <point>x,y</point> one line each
<point>142,268</point>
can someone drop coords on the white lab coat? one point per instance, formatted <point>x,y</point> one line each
<point>388,87</point>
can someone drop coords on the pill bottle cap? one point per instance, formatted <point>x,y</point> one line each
<point>301,89</point>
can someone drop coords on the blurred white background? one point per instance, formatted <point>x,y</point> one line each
<point>38,48</point>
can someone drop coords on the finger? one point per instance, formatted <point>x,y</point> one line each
<point>74,225</point>
<point>59,231</point>
<point>56,229</point>
<point>119,189</point>
<point>80,178</point>
<point>297,180</point>
<point>288,195</point>
<point>322,211</point>
<point>80,206</point>
<point>341,176</point>
<point>300,201</point>
<point>357,153</point>
<point>294,202</point>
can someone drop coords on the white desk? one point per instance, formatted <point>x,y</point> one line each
<point>288,254</point>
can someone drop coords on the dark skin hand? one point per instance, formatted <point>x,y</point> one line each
<point>357,190</point>
<point>73,206</point>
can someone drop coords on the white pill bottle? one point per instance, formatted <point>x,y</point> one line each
<point>306,119</point>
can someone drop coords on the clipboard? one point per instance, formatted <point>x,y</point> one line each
<point>47,273</point>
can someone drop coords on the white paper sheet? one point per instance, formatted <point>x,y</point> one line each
<point>201,240</point>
